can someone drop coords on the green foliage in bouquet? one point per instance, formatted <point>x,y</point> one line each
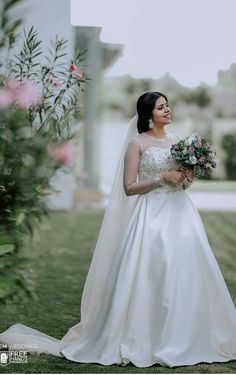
<point>38,107</point>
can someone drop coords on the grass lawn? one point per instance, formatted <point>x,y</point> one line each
<point>60,257</point>
<point>223,186</point>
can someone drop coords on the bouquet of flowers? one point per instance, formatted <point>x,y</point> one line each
<point>196,153</point>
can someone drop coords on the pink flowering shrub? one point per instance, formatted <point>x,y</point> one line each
<point>38,105</point>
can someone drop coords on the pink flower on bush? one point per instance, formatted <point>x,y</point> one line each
<point>26,94</point>
<point>22,94</point>
<point>72,67</point>
<point>79,76</point>
<point>63,153</point>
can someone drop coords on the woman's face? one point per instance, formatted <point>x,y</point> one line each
<point>161,113</point>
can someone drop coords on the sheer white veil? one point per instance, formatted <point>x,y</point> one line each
<point>114,222</point>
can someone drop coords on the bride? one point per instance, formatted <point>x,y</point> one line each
<point>154,293</point>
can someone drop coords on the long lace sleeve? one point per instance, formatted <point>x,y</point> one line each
<point>130,175</point>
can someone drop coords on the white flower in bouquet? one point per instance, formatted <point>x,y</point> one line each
<point>193,159</point>
<point>189,140</point>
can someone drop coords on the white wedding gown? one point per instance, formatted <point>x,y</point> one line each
<point>165,300</point>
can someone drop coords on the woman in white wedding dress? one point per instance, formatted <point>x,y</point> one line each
<point>154,293</point>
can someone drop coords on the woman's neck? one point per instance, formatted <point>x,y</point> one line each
<point>157,132</point>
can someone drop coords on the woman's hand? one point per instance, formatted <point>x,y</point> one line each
<point>189,173</point>
<point>175,177</point>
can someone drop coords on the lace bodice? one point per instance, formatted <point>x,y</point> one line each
<point>145,158</point>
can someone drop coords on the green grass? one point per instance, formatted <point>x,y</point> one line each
<point>214,186</point>
<point>60,257</point>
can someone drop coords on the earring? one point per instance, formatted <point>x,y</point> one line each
<point>150,123</point>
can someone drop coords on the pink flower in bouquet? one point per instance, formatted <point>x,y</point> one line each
<point>63,153</point>
<point>79,76</point>
<point>72,67</point>
<point>202,160</point>
<point>26,94</point>
<point>191,149</point>
<point>197,142</point>
<point>6,98</point>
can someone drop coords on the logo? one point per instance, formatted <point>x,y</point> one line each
<point>4,358</point>
<point>12,356</point>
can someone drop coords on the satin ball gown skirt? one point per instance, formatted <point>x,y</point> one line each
<point>165,300</point>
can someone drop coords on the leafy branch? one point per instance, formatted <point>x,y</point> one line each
<point>57,83</point>
<point>8,35</point>
<point>25,65</point>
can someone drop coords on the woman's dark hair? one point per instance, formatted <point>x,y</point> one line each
<point>145,105</point>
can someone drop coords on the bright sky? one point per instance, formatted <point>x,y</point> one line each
<point>190,39</point>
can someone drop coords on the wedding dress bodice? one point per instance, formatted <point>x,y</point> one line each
<point>146,157</point>
<point>156,158</point>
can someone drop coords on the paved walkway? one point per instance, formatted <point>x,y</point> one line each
<point>214,201</point>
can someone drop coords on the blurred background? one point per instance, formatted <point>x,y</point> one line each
<point>184,49</point>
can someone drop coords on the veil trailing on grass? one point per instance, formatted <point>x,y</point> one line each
<point>115,218</point>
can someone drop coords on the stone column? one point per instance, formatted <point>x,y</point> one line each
<point>98,56</point>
